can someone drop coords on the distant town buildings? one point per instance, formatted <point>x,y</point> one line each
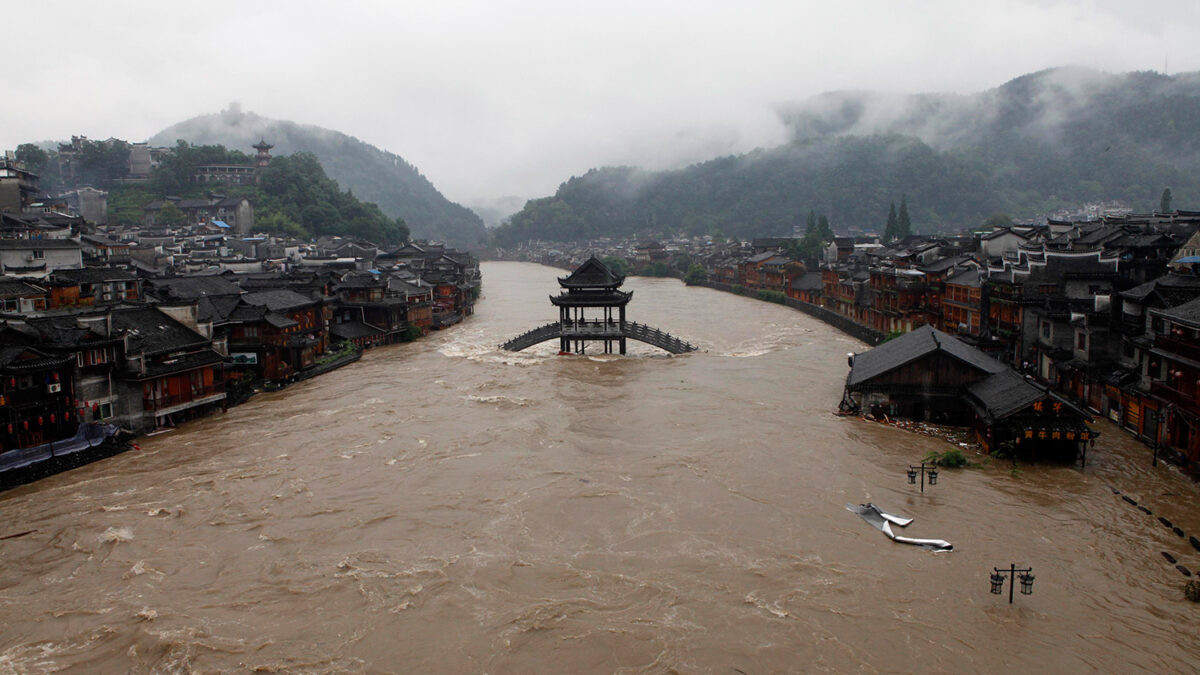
<point>1102,310</point>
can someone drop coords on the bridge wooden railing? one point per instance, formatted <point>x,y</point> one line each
<point>633,330</point>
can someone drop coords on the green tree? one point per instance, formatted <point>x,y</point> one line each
<point>997,220</point>
<point>1164,202</point>
<point>696,274</point>
<point>615,264</point>
<point>903,223</point>
<point>33,157</point>
<point>812,222</point>
<point>171,216</point>
<point>824,229</point>
<point>889,232</point>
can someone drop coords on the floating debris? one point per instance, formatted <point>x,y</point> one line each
<point>883,521</point>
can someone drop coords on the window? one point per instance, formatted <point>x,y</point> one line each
<point>250,331</point>
<point>1046,329</point>
<point>106,410</point>
<point>1082,342</point>
<point>10,305</point>
<point>38,254</point>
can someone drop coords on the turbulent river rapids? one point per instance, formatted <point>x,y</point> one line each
<point>444,506</point>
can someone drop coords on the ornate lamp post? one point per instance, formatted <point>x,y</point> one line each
<point>931,471</point>
<point>1014,574</point>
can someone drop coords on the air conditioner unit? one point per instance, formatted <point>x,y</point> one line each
<point>54,388</point>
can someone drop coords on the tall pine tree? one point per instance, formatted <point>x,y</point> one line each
<point>903,224</point>
<point>824,229</point>
<point>889,233</point>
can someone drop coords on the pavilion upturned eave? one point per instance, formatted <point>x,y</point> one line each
<point>614,299</point>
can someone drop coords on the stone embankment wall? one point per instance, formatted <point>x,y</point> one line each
<point>844,324</point>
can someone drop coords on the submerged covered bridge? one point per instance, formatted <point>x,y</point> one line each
<point>593,289</point>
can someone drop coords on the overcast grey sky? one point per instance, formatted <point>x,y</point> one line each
<point>511,98</point>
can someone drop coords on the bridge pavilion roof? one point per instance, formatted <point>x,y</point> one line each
<point>592,298</point>
<point>592,274</point>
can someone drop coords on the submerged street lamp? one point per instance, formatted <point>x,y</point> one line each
<point>931,471</point>
<point>1013,574</point>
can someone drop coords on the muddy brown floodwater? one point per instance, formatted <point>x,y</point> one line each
<point>443,506</point>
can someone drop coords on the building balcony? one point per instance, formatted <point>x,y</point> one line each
<point>1179,399</point>
<point>167,404</point>
<point>1187,349</point>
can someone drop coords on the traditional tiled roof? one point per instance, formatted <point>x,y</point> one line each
<point>11,287</point>
<point>217,308</point>
<point>94,275</point>
<point>972,278</point>
<point>1168,285</point>
<point>28,359</point>
<point>809,282</point>
<point>1007,392</point>
<point>279,300</point>
<point>154,332</point>
<point>279,320</point>
<point>191,288</point>
<point>947,263</point>
<point>66,332</point>
<point>24,244</point>
<point>1188,313</point>
<point>919,343</point>
<point>592,273</point>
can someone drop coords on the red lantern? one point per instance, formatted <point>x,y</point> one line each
<point>40,421</point>
<point>66,416</point>
<point>10,427</point>
<point>51,418</point>
<point>26,425</point>
<point>56,376</point>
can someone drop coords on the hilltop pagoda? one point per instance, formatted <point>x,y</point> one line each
<point>591,308</point>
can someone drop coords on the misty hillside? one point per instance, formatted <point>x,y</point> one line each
<point>371,174</point>
<point>1054,139</point>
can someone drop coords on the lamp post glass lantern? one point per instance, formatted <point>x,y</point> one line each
<point>926,472</point>
<point>1013,574</point>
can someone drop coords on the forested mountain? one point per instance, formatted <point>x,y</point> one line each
<point>292,196</point>
<point>1053,139</point>
<point>371,174</point>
